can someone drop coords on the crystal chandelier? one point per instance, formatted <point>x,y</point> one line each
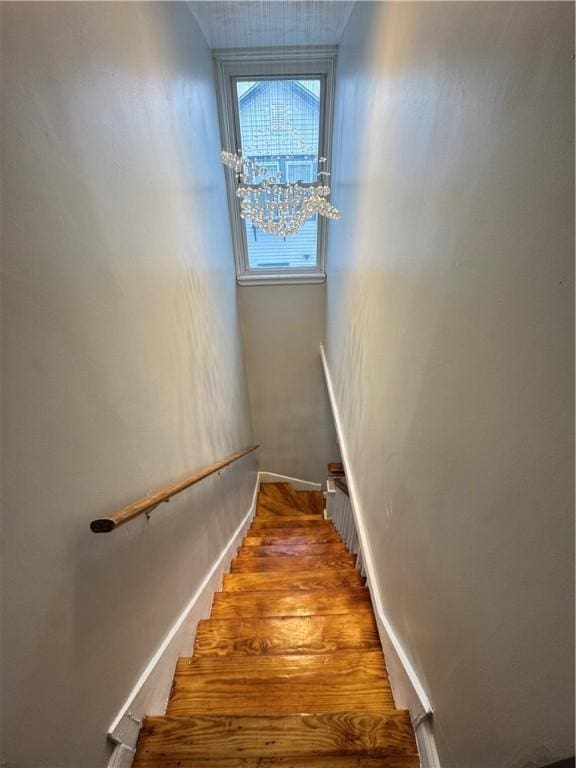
<point>273,206</point>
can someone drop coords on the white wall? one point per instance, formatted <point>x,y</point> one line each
<point>122,360</point>
<point>282,326</point>
<point>450,340</point>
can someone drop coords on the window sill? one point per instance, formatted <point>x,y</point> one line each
<point>279,279</point>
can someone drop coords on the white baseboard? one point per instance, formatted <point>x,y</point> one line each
<point>122,757</point>
<point>298,485</point>
<point>426,742</point>
<point>407,688</point>
<point>150,694</point>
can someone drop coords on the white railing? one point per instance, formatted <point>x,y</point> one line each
<point>339,511</point>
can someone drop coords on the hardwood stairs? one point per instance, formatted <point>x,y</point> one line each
<point>288,671</point>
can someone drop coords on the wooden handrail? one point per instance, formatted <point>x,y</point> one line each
<point>121,516</point>
<point>336,469</point>
<point>341,484</point>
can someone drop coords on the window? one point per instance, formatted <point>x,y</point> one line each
<point>277,111</point>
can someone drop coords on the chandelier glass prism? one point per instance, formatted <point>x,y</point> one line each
<point>274,205</point>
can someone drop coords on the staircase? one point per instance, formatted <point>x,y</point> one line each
<point>288,671</point>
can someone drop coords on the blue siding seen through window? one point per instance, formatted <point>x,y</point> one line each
<point>279,129</point>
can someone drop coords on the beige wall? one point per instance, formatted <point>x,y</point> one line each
<point>122,358</point>
<point>283,326</point>
<point>450,339</point>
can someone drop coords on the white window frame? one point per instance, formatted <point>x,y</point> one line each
<point>281,63</point>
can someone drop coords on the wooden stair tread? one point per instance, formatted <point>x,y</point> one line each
<point>290,521</point>
<point>289,513</point>
<point>294,550</point>
<point>286,635</point>
<point>322,761</point>
<point>290,603</point>
<point>271,507</point>
<point>304,506</point>
<point>273,736</point>
<point>278,491</point>
<point>284,493</point>
<point>279,563</point>
<point>316,684</point>
<point>275,536</point>
<point>285,666</point>
<point>292,580</point>
<point>316,501</point>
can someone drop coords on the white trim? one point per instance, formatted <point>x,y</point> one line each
<point>271,278</point>
<point>303,53</point>
<point>151,691</point>
<point>426,743</point>
<point>298,485</point>
<point>122,757</point>
<point>233,63</point>
<point>407,687</point>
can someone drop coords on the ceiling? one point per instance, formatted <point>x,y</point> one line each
<point>263,23</point>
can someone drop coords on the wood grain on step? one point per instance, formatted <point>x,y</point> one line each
<point>273,502</point>
<point>290,603</point>
<point>268,736</point>
<point>268,506</point>
<point>284,492</point>
<point>274,536</point>
<point>331,549</point>
<point>322,761</point>
<point>286,521</point>
<point>345,681</point>
<point>292,580</point>
<point>268,489</point>
<point>327,562</point>
<point>277,491</point>
<point>314,501</point>
<point>286,635</point>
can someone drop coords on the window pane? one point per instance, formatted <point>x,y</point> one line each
<point>268,251</point>
<point>279,129</point>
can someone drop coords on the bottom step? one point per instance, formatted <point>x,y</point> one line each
<point>276,737</point>
<point>330,761</point>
